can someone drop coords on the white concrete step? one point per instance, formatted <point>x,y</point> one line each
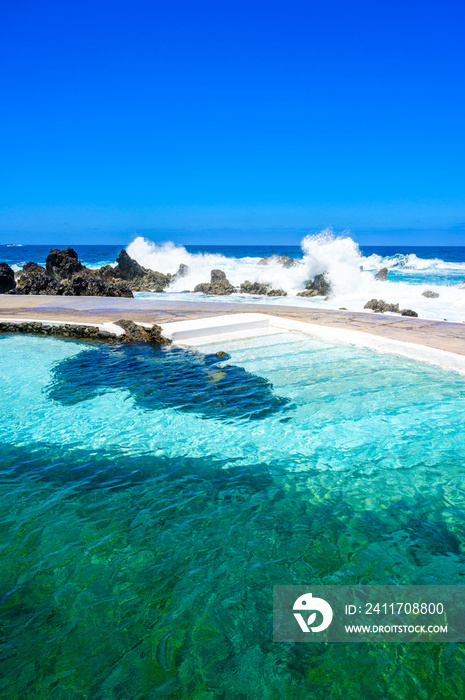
<point>199,328</point>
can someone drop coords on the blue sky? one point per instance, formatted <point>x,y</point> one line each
<point>122,117</point>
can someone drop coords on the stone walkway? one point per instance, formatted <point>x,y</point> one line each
<point>435,334</point>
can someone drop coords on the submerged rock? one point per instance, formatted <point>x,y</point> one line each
<point>7,278</point>
<point>408,312</point>
<point>139,334</point>
<point>166,377</point>
<point>284,260</point>
<point>380,306</point>
<point>382,275</point>
<point>429,294</point>
<point>319,286</point>
<point>219,284</point>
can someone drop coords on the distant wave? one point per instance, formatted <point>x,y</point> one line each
<point>351,275</point>
<point>411,262</point>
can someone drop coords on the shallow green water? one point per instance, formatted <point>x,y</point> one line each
<point>144,522</point>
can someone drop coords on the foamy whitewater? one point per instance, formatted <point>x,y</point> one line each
<point>350,273</point>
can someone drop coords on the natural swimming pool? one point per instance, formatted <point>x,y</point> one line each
<point>150,499</point>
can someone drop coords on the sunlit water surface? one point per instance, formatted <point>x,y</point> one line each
<point>150,499</point>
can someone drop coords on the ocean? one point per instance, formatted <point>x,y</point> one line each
<point>412,270</point>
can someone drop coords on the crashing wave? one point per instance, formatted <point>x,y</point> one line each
<point>350,273</point>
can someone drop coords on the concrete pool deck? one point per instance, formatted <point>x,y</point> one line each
<point>200,323</point>
<point>440,335</point>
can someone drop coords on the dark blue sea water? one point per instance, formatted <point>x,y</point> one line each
<point>104,254</point>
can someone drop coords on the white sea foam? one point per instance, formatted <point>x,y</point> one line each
<point>339,257</point>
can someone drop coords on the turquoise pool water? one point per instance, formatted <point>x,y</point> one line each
<point>149,500</point>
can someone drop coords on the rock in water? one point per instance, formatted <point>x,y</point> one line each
<point>408,312</point>
<point>276,293</point>
<point>382,275</point>
<point>381,306</point>
<point>63,264</point>
<point>219,284</point>
<point>284,260</point>
<point>319,286</point>
<point>7,278</point>
<point>429,294</point>
<point>254,288</point>
<point>259,288</point>
<point>203,287</point>
<point>308,293</point>
<point>139,334</point>
<point>218,277</point>
<point>183,271</point>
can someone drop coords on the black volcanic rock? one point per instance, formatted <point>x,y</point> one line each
<point>219,284</point>
<point>63,264</point>
<point>380,306</point>
<point>79,286</point>
<point>254,288</point>
<point>183,271</point>
<point>409,312</point>
<point>138,278</point>
<point>7,278</point>
<point>34,279</point>
<point>127,268</point>
<point>382,275</point>
<point>285,260</point>
<point>139,334</point>
<point>319,286</point>
<point>259,288</point>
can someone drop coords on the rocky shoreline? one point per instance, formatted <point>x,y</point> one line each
<point>65,275</point>
<point>133,333</point>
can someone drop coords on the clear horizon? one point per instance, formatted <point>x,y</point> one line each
<point>241,237</point>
